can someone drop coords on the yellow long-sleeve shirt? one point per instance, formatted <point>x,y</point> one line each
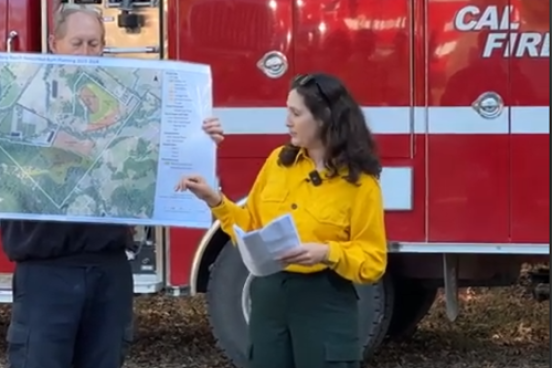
<point>346,217</point>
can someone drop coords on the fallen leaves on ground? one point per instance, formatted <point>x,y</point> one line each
<point>498,328</point>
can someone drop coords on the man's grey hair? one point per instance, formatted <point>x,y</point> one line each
<point>64,11</point>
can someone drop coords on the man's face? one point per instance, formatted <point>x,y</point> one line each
<point>81,34</point>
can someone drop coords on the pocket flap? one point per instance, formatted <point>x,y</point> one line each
<point>274,193</point>
<point>17,333</point>
<point>343,352</point>
<point>328,214</point>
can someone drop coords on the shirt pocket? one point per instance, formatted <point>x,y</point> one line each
<point>273,198</point>
<point>330,220</point>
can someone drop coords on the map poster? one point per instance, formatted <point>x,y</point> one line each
<point>103,139</point>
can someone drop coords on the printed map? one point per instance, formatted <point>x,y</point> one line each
<point>78,140</point>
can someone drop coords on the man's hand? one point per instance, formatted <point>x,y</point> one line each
<point>213,128</point>
<point>307,255</point>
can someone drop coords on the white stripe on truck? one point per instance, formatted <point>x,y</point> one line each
<point>400,120</point>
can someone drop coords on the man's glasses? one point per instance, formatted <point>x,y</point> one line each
<point>304,80</point>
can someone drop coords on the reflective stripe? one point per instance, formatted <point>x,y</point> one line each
<point>401,120</point>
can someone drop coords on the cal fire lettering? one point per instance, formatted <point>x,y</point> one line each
<point>504,36</point>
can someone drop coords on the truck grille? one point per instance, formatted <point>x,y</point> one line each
<point>231,25</point>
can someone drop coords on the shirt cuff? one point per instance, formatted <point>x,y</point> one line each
<point>221,209</point>
<point>335,253</point>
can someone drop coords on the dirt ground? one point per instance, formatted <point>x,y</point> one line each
<point>499,328</point>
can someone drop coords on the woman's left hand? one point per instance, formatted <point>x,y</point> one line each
<point>307,255</point>
<point>213,128</point>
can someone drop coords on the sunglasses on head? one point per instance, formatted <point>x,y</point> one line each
<point>304,80</point>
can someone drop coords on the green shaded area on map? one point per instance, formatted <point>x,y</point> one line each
<point>78,141</point>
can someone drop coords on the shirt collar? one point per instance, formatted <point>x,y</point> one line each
<point>300,155</point>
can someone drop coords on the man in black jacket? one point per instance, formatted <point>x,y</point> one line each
<point>72,285</point>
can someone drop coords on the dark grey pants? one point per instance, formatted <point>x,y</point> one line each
<point>70,317</point>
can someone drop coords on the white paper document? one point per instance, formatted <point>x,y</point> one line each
<point>260,249</point>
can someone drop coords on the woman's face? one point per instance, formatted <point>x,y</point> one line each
<point>304,130</point>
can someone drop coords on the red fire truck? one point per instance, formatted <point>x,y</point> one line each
<point>457,92</point>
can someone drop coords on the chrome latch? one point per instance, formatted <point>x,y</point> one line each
<point>273,64</point>
<point>489,105</point>
<point>10,40</point>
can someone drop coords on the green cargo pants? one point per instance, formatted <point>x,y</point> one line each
<point>304,321</point>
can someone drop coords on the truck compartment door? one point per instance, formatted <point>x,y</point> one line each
<point>24,20</point>
<point>530,122</point>
<point>369,45</point>
<point>468,143</point>
<point>248,45</point>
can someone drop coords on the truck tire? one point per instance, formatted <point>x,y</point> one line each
<point>376,310</point>
<point>224,304</point>
<point>227,303</point>
<point>413,301</point>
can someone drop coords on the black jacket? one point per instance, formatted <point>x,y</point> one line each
<point>63,242</point>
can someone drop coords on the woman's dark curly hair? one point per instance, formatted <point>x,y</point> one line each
<point>348,141</point>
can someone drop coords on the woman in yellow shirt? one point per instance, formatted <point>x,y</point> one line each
<point>327,179</point>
